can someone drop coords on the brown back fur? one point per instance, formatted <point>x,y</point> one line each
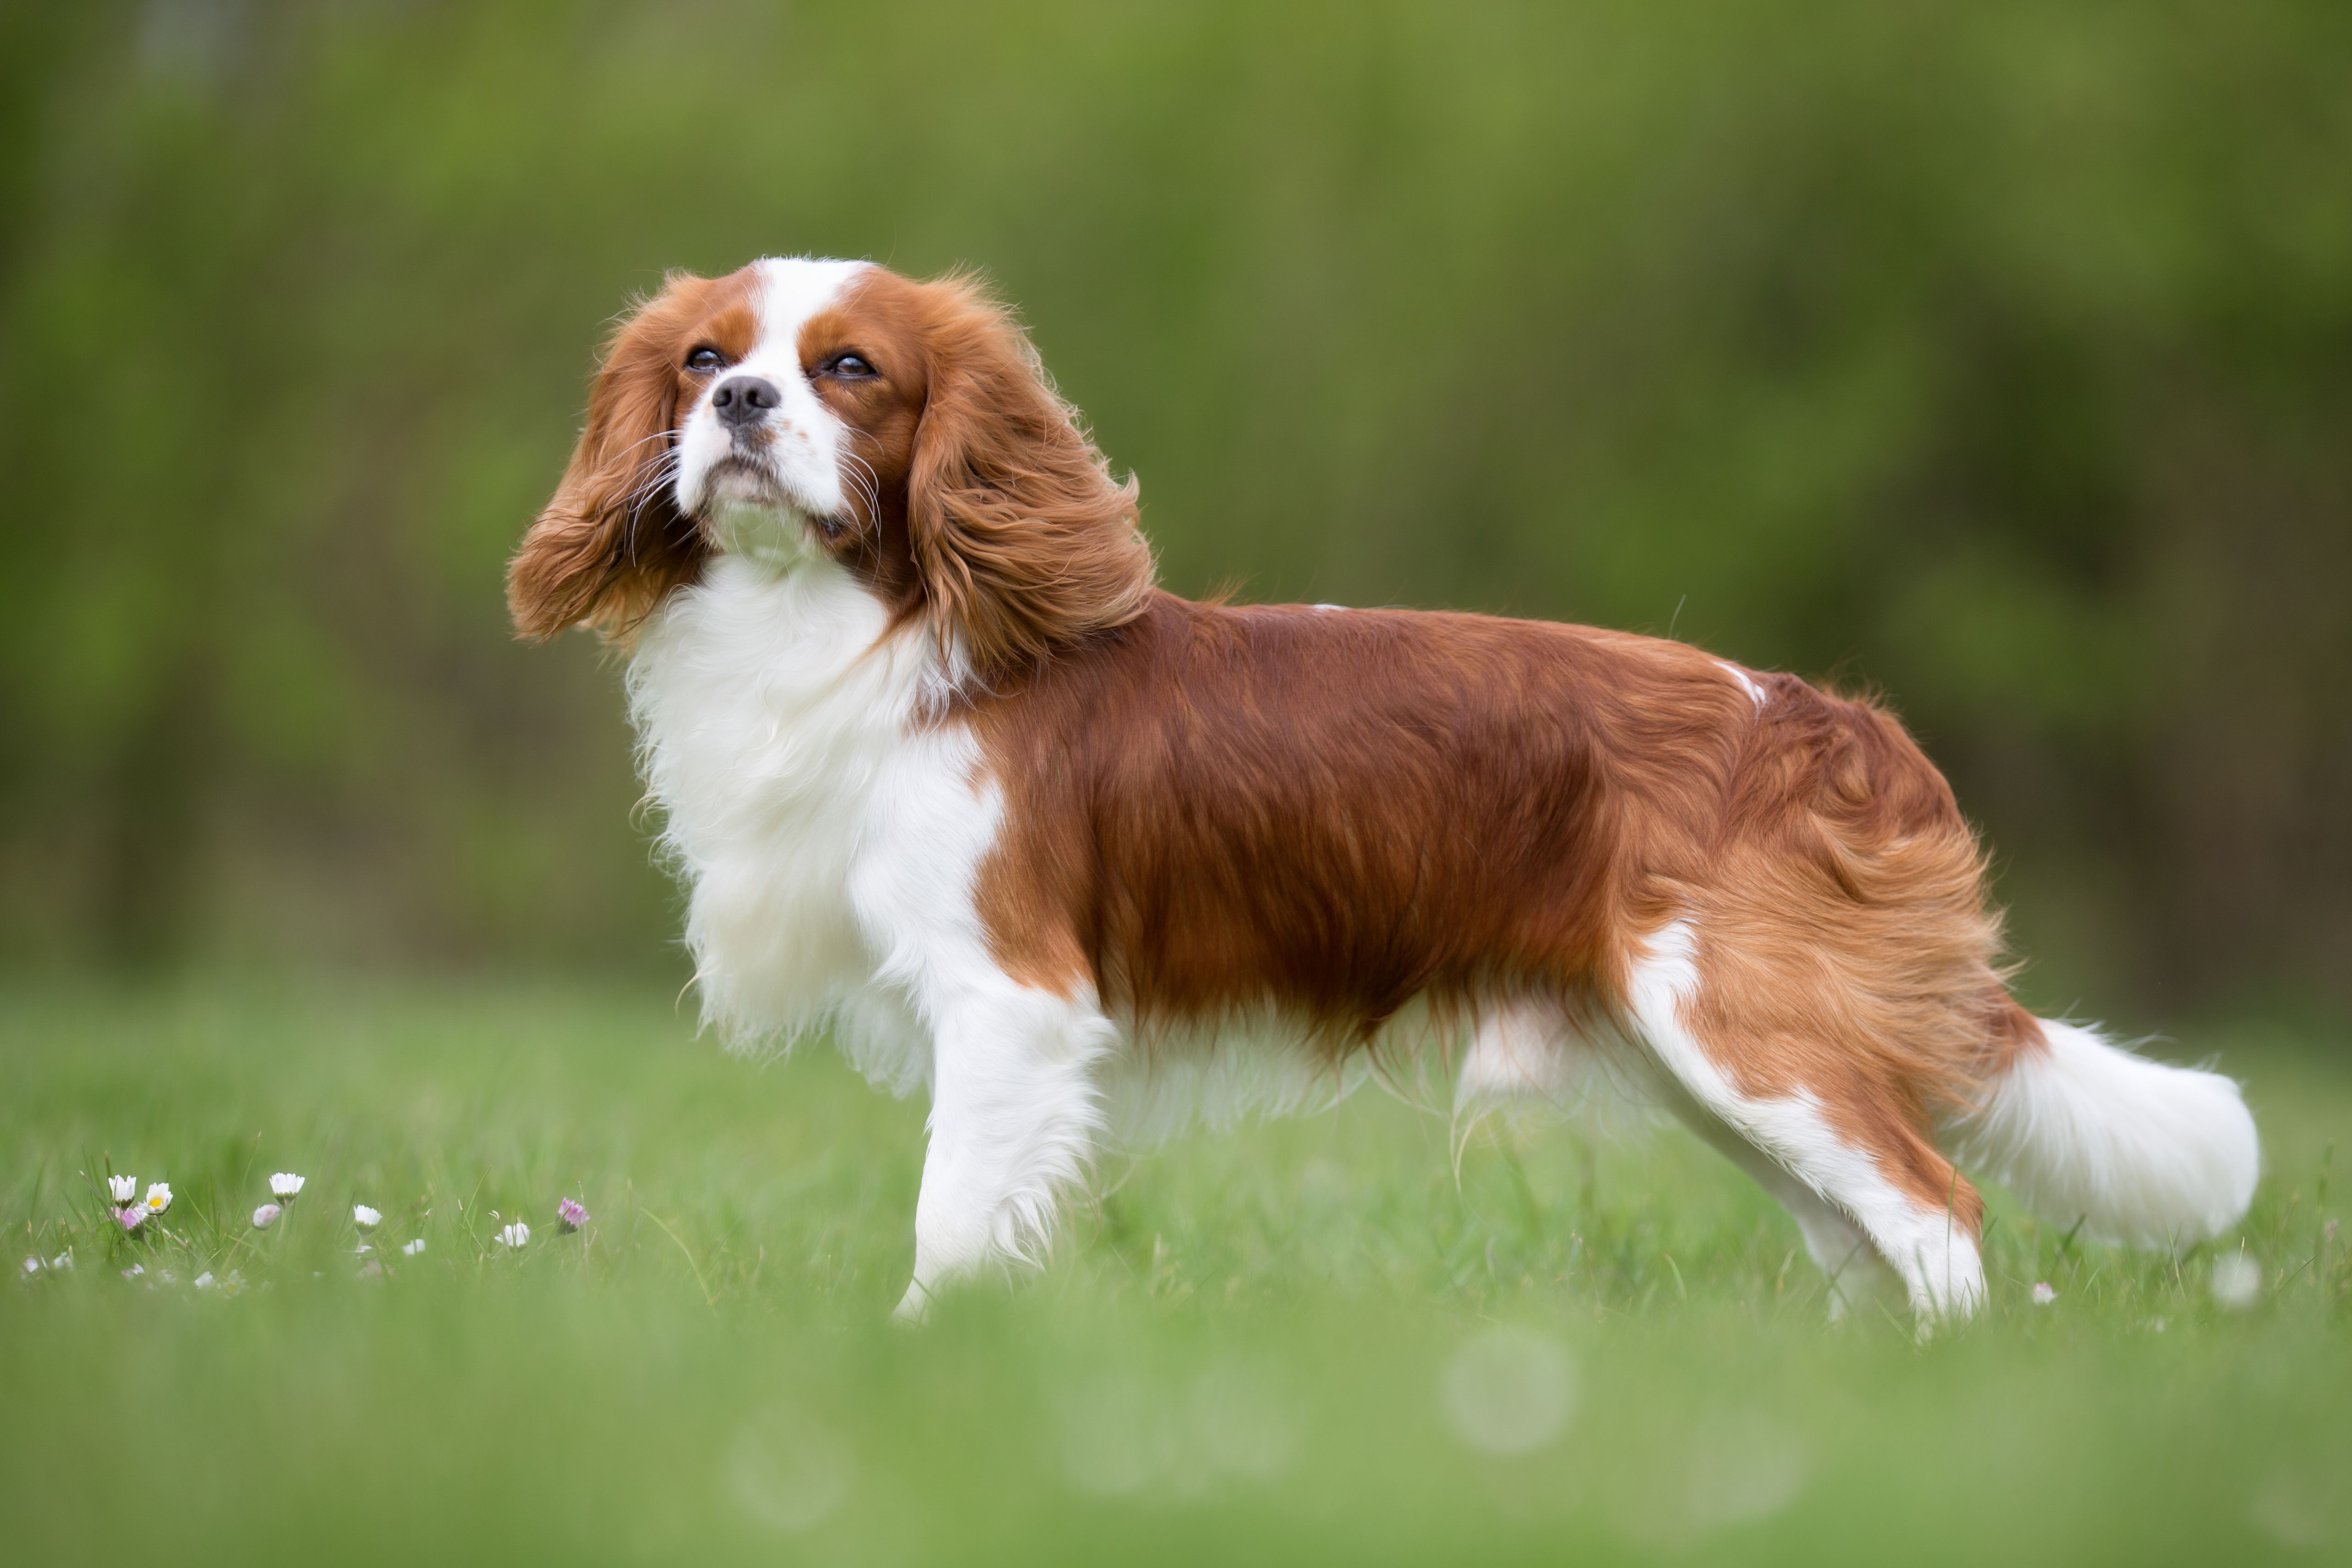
<point>1203,820</point>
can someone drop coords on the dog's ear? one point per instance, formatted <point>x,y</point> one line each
<point>612,541</point>
<point>1022,540</point>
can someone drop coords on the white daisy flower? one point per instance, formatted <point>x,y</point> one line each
<point>266,1216</point>
<point>205,1280</point>
<point>285,1185</point>
<point>63,1259</point>
<point>32,1265</point>
<point>363,1217</point>
<point>514,1235</point>
<point>412,1249</point>
<point>2043,1295</point>
<point>159,1197</point>
<point>134,1271</point>
<point>121,1188</point>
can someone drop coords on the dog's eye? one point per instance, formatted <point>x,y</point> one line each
<point>848,365</point>
<point>706,359</point>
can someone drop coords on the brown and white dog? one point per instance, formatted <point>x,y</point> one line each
<point>947,774</point>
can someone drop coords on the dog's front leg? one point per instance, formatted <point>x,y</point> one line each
<point>1015,1111</point>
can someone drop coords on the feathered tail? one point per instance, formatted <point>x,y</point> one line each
<point>2141,1153</point>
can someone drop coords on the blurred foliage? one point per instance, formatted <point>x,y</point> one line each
<point>1997,356</point>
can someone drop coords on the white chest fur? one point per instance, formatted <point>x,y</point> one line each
<point>823,829</point>
<point>830,836</point>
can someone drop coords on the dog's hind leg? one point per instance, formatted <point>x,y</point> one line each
<point>1851,1267</point>
<point>1856,1157</point>
<point>1528,1051</point>
<point>1014,1115</point>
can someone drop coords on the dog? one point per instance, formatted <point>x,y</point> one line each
<point>948,775</point>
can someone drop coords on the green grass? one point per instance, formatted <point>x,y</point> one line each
<point>1258,1346</point>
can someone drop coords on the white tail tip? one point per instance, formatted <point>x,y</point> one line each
<point>2141,1153</point>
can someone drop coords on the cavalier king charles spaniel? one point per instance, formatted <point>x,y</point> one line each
<point>948,776</point>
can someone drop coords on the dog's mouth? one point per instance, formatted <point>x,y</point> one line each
<point>747,511</point>
<point>748,504</point>
<point>743,479</point>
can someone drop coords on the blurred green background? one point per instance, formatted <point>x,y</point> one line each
<point>1998,355</point>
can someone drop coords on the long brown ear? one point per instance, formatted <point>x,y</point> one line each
<point>612,542</point>
<point>1022,542</point>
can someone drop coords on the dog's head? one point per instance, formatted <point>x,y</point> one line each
<point>801,412</point>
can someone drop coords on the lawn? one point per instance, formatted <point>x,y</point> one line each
<point>1321,1339</point>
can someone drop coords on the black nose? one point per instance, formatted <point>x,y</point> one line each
<point>744,400</point>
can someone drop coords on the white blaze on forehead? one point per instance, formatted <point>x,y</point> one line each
<point>791,289</point>
<point>805,441</point>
